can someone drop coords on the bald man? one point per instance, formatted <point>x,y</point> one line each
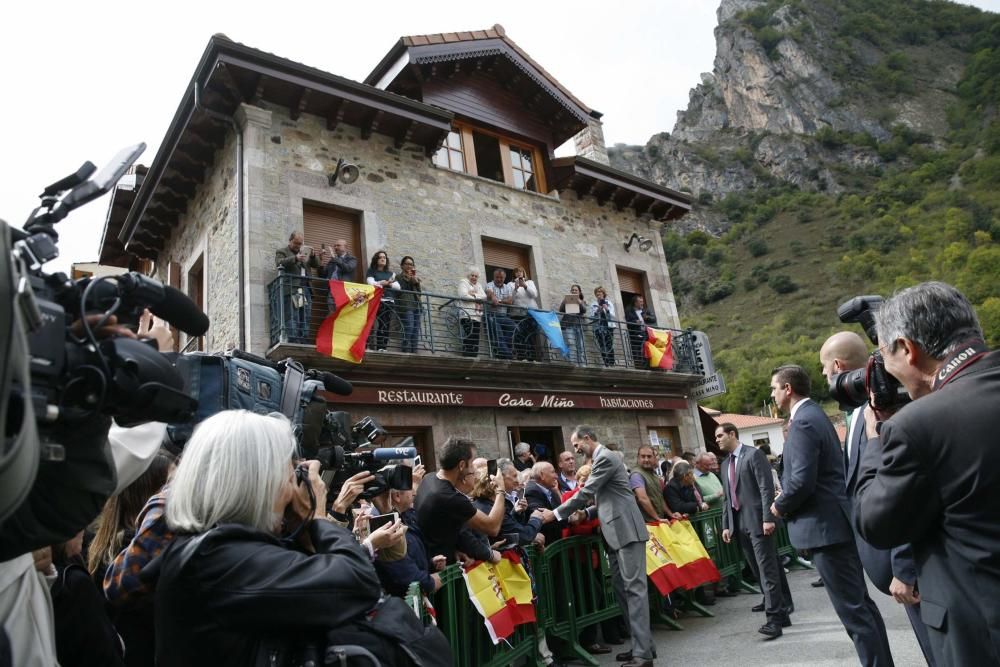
<point>893,571</point>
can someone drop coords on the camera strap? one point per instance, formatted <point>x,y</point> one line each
<point>969,353</point>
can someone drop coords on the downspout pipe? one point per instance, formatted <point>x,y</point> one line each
<point>240,237</point>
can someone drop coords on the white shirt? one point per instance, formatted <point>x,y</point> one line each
<point>796,407</point>
<point>857,421</point>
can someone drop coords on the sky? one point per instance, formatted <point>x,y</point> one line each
<point>82,80</point>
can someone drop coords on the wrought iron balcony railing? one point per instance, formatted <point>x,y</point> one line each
<point>437,324</point>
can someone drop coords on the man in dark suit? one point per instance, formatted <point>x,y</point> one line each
<point>746,515</point>
<point>814,503</point>
<point>623,529</point>
<point>893,571</point>
<point>932,479</point>
<point>539,494</point>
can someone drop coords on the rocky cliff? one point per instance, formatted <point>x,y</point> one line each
<point>787,76</point>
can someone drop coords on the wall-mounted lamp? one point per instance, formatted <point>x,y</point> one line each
<point>644,243</point>
<point>345,172</point>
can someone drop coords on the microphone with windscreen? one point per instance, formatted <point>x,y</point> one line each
<point>332,383</point>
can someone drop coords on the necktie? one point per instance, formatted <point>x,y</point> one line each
<point>732,484</point>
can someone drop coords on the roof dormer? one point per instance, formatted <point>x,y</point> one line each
<point>484,77</point>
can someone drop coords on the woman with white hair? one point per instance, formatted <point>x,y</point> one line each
<point>471,314</point>
<point>230,588</point>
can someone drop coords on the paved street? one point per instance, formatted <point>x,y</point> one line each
<point>816,637</point>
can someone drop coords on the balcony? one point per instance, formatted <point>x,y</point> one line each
<point>451,336</point>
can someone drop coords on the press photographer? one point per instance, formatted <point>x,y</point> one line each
<point>930,473</point>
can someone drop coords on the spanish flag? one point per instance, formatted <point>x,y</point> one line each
<point>487,596</point>
<point>659,348</point>
<point>675,557</point>
<point>516,586</point>
<point>344,332</point>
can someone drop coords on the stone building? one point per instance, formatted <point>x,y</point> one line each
<point>453,136</point>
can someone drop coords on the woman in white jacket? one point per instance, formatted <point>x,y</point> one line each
<point>471,313</point>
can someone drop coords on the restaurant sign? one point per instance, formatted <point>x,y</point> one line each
<point>478,398</point>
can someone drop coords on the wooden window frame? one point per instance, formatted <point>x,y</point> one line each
<point>465,132</point>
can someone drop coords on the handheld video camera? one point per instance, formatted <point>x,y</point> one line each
<point>344,450</point>
<point>51,326</point>
<point>852,388</point>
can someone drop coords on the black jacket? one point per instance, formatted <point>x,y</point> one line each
<point>397,575</point>
<point>237,588</point>
<point>526,530</point>
<point>680,498</point>
<point>539,497</point>
<point>933,480</point>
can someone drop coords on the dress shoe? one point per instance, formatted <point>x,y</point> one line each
<point>757,607</point>
<point>726,594</point>
<point>770,630</point>
<point>786,622</point>
<point>818,583</point>
<point>638,662</point>
<point>597,649</point>
<point>627,655</point>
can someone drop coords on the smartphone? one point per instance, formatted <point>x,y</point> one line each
<point>491,467</point>
<point>377,522</point>
<point>510,540</point>
<point>416,461</point>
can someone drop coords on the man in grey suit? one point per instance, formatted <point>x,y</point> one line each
<point>814,503</point>
<point>746,515</point>
<point>893,571</point>
<point>623,530</point>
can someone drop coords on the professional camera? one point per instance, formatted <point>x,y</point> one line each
<point>344,450</point>
<point>853,388</point>
<point>58,371</point>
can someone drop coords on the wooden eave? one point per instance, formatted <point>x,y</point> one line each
<point>112,252</point>
<point>618,188</point>
<point>230,74</point>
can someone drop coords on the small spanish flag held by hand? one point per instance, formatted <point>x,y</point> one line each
<point>344,333</point>
<point>659,348</point>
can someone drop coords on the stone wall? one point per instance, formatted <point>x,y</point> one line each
<point>208,228</point>
<point>488,427</point>
<point>409,206</point>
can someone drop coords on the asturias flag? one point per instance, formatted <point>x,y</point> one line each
<point>548,322</point>
<point>659,348</point>
<point>676,558</point>
<point>344,333</point>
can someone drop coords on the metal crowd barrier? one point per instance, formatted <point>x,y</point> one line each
<point>573,593</point>
<point>786,548</point>
<point>466,632</point>
<point>459,327</point>
<point>728,558</point>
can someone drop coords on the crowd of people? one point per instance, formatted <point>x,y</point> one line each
<point>501,304</point>
<point>232,553</point>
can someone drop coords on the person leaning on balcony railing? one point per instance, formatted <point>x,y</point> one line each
<point>572,322</point>
<point>295,261</point>
<point>379,275</point>
<point>408,304</point>
<point>525,297</point>
<point>499,324</point>
<point>638,317</point>
<point>471,314</point>
<point>602,314</point>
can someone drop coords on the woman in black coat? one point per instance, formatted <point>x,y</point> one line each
<point>638,317</point>
<point>231,590</point>
<point>680,492</point>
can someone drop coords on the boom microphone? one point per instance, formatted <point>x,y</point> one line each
<point>391,453</point>
<point>166,302</point>
<point>332,383</point>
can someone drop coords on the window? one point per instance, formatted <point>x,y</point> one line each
<point>196,290</point>
<point>632,284</point>
<point>522,168</point>
<point>327,225</point>
<point>450,155</point>
<point>488,161</point>
<point>499,255</point>
<point>493,156</point>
